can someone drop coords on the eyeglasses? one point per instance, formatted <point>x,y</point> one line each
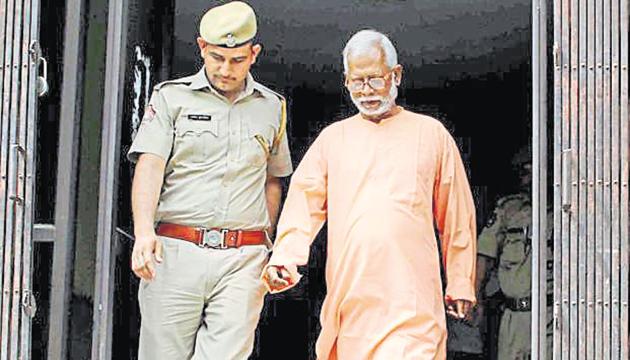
<point>376,83</point>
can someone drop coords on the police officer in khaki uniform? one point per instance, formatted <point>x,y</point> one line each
<point>210,151</point>
<point>505,245</point>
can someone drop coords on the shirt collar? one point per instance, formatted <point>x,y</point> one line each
<point>200,81</point>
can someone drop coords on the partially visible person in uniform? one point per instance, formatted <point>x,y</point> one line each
<point>206,191</point>
<point>505,246</point>
<point>381,178</point>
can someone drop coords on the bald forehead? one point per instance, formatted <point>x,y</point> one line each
<point>373,51</point>
<point>370,59</point>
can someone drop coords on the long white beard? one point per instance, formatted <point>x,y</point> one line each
<point>387,102</point>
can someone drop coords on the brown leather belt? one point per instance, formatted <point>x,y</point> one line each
<point>212,238</point>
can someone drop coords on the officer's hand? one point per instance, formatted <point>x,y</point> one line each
<point>459,309</point>
<point>144,249</point>
<point>278,277</point>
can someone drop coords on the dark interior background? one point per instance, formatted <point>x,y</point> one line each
<point>465,61</point>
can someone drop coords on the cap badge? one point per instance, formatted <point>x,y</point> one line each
<point>230,41</point>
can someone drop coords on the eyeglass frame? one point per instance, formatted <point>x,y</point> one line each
<point>367,80</point>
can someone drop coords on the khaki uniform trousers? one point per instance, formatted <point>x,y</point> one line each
<point>515,336</point>
<point>203,303</point>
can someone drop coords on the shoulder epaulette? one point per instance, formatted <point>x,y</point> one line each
<point>181,81</point>
<point>283,117</point>
<point>263,88</point>
<point>514,197</point>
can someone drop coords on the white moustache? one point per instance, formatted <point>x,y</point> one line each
<point>386,102</point>
<point>371,98</point>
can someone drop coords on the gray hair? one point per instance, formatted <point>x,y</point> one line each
<point>364,41</point>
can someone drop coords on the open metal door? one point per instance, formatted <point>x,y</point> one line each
<point>20,59</point>
<point>590,84</point>
<point>107,241</point>
<point>540,256</point>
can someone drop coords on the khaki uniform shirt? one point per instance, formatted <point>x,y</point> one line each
<point>508,240</point>
<point>218,153</point>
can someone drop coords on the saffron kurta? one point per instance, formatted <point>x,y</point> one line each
<point>382,187</point>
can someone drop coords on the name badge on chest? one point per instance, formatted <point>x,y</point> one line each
<point>198,117</point>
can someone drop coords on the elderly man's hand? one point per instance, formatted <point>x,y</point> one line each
<point>459,309</point>
<point>278,277</point>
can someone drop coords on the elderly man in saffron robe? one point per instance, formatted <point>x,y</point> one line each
<point>382,179</point>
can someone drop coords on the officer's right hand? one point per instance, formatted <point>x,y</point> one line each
<point>278,277</point>
<point>144,249</point>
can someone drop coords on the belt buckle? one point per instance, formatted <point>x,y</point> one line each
<point>213,239</point>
